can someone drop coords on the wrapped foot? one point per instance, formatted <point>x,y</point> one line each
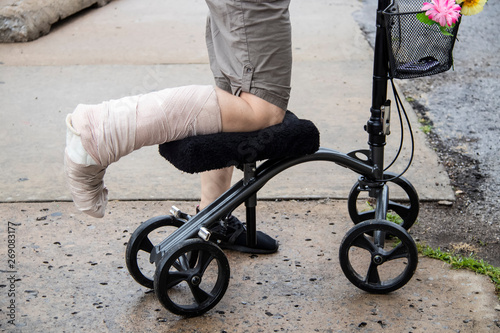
<point>84,176</point>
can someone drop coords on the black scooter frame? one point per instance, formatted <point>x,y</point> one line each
<point>371,167</point>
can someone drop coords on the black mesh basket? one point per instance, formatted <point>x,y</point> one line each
<point>416,49</point>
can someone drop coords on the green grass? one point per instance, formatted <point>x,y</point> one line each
<point>426,125</point>
<point>426,129</point>
<point>395,218</point>
<point>461,262</point>
<point>391,217</point>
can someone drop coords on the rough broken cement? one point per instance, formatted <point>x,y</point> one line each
<point>27,20</point>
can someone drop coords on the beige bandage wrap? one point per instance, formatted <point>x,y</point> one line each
<point>87,187</point>
<point>113,129</point>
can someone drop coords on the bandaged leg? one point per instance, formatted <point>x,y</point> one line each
<point>99,135</point>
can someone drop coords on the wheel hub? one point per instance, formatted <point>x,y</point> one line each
<point>196,280</point>
<point>377,259</point>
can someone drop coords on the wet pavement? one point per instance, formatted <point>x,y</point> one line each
<point>72,277</point>
<point>70,268</point>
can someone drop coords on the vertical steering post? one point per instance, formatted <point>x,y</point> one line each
<point>376,126</point>
<point>250,204</point>
<point>382,203</point>
<point>381,213</point>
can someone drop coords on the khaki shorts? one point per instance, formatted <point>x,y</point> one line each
<point>250,48</point>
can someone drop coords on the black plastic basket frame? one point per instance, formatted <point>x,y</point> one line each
<point>416,49</point>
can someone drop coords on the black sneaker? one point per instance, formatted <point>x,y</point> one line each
<point>231,234</point>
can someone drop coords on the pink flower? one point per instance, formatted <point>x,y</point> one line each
<point>444,12</point>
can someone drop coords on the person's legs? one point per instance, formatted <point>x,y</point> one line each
<point>101,134</point>
<point>249,63</point>
<point>253,65</point>
<point>239,114</point>
<point>213,184</point>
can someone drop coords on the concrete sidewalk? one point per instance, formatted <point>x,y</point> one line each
<point>73,278</point>
<point>71,267</point>
<point>130,47</point>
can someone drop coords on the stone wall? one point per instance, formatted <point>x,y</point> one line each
<point>27,20</point>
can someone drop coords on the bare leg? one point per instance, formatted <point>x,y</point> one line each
<point>213,184</point>
<point>247,112</point>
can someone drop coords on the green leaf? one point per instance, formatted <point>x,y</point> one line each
<point>425,19</point>
<point>444,31</point>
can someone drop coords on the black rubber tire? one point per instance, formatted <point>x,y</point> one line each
<point>139,241</point>
<point>407,211</point>
<point>404,255</point>
<point>183,268</point>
